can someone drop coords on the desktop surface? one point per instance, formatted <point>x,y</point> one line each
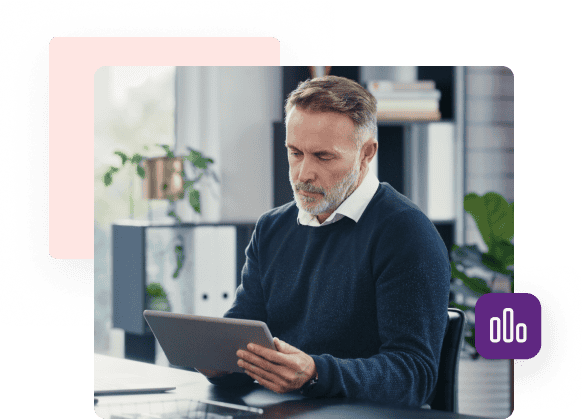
<point>192,390</point>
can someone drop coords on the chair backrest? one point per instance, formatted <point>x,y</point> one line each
<point>445,394</point>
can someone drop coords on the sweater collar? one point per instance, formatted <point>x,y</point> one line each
<point>353,207</point>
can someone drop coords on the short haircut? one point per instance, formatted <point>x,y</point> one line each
<point>339,95</point>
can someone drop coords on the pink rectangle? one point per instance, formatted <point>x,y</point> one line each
<point>72,65</point>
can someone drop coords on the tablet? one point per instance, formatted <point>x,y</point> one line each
<point>205,342</point>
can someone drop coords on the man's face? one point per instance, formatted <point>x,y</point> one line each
<point>323,160</point>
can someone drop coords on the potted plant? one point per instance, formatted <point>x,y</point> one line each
<point>475,272</point>
<point>165,178</point>
<point>157,298</point>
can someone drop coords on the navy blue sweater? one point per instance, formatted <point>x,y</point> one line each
<point>367,300</point>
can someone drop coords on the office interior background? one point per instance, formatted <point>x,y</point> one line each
<point>234,115</point>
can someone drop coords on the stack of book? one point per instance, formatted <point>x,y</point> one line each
<point>406,101</point>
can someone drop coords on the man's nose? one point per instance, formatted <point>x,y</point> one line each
<point>307,171</point>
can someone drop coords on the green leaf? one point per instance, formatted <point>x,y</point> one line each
<point>502,250</point>
<point>167,149</point>
<point>195,200</point>
<point>174,215</point>
<point>492,214</point>
<point>197,159</point>
<point>499,259</point>
<point>179,250</point>
<point>467,256</point>
<point>123,156</point>
<point>141,172</point>
<point>108,177</point>
<point>188,183</point>
<point>155,290</point>
<point>136,158</point>
<point>477,285</point>
<point>193,156</point>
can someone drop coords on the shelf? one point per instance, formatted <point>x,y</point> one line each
<point>396,123</point>
<point>130,262</point>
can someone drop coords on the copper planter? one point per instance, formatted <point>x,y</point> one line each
<point>163,178</point>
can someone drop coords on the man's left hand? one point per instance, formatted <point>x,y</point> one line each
<point>283,370</point>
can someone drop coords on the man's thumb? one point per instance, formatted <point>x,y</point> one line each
<point>280,345</point>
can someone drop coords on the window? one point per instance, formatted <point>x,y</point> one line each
<point>134,111</point>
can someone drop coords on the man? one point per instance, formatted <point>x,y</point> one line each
<point>351,277</point>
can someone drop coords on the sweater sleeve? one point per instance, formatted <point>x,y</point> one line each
<point>248,304</point>
<point>412,280</point>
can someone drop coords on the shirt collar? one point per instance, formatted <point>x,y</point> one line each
<point>353,207</point>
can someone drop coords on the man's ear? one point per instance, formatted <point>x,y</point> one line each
<point>369,150</point>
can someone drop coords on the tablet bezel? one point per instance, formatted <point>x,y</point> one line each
<point>202,342</point>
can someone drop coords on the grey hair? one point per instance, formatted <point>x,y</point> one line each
<point>339,95</point>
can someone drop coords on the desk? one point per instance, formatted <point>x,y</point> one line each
<point>192,385</point>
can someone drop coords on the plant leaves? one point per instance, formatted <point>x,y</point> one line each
<point>107,179</point>
<point>467,256</point>
<point>476,285</point>
<point>195,200</point>
<point>500,256</point>
<point>167,149</point>
<point>502,250</point>
<point>174,215</point>
<point>492,214</point>
<point>193,156</point>
<point>155,290</point>
<point>197,160</point>
<point>108,176</point>
<point>179,250</point>
<point>141,172</point>
<point>123,156</point>
<point>136,158</point>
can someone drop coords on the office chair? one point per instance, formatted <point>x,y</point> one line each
<point>445,395</point>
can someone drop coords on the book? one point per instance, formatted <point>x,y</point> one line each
<point>409,94</point>
<point>407,105</point>
<point>408,115</point>
<point>378,86</point>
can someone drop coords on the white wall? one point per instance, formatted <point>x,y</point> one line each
<point>227,112</point>
<point>489,136</point>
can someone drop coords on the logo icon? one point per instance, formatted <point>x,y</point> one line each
<point>508,326</point>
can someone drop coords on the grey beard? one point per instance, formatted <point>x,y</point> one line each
<point>330,200</point>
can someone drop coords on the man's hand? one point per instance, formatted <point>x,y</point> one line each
<point>282,371</point>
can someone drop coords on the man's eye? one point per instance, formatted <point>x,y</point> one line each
<point>324,158</point>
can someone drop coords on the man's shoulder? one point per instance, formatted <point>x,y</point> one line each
<point>276,217</point>
<point>388,202</point>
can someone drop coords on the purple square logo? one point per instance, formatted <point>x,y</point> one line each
<point>508,326</point>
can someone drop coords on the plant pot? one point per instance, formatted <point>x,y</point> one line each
<point>163,178</point>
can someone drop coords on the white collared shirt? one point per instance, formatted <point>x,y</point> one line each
<point>353,207</point>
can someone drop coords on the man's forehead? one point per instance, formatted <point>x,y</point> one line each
<point>327,130</point>
<point>313,147</point>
